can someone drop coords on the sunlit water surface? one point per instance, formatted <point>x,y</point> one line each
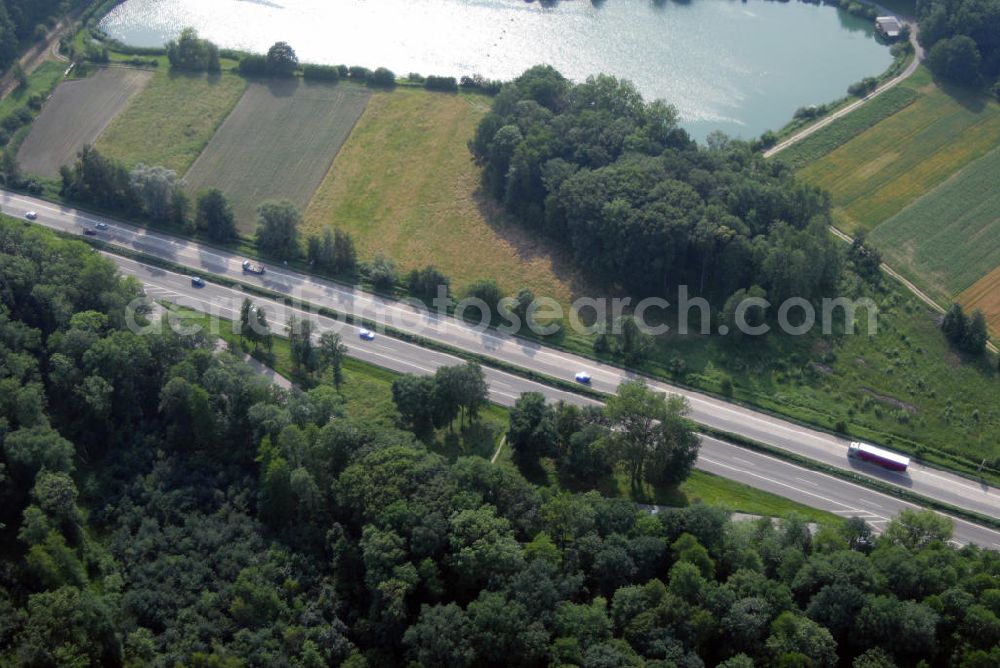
<point>738,67</point>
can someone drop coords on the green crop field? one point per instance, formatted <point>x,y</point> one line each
<point>172,120</point>
<point>950,238</point>
<point>405,184</point>
<point>278,142</point>
<point>842,130</point>
<point>876,174</point>
<point>75,116</point>
<point>984,295</point>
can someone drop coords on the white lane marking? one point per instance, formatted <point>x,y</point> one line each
<point>777,482</point>
<point>445,324</point>
<point>892,499</point>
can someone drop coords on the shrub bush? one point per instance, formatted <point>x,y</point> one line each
<point>253,64</point>
<point>425,282</point>
<point>863,87</point>
<point>359,73</point>
<point>487,290</point>
<point>16,119</point>
<point>447,84</point>
<point>321,72</point>
<point>382,273</point>
<point>479,83</point>
<point>382,77</point>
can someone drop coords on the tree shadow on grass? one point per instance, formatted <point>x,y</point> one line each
<point>531,246</point>
<point>544,473</point>
<point>212,78</point>
<point>973,99</point>
<point>476,439</point>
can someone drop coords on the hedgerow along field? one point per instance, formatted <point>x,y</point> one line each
<point>76,115</point>
<point>845,128</point>
<point>950,238</point>
<point>876,174</point>
<point>172,120</point>
<point>278,142</point>
<point>405,185</point>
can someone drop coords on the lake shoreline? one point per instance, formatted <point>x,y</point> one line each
<point>748,84</point>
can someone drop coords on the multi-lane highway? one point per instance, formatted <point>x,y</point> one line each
<point>747,466</point>
<point>817,445</point>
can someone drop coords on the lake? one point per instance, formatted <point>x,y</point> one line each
<point>739,67</point>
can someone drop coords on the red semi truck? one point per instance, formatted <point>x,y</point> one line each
<point>886,458</point>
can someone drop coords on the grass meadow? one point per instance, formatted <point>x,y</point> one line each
<point>278,142</point>
<point>903,387</point>
<point>76,115</point>
<point>950,238</point>
<point>172,120</point>
<point>405,185</point>
<point>879,172</point>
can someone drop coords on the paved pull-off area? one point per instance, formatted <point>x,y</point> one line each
<point>820,446</point>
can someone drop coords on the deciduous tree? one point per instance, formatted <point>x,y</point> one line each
<point>278,229</point>
<point>281,60</point>
<point>331,354</point>
<point>214,215</point>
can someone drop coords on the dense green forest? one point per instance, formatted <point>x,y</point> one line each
<point>21,20</point>
<point>640,204</point>
<point>962,38</point>
<point>162,505</point>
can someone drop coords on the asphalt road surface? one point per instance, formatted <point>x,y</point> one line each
<point>817,445</point>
